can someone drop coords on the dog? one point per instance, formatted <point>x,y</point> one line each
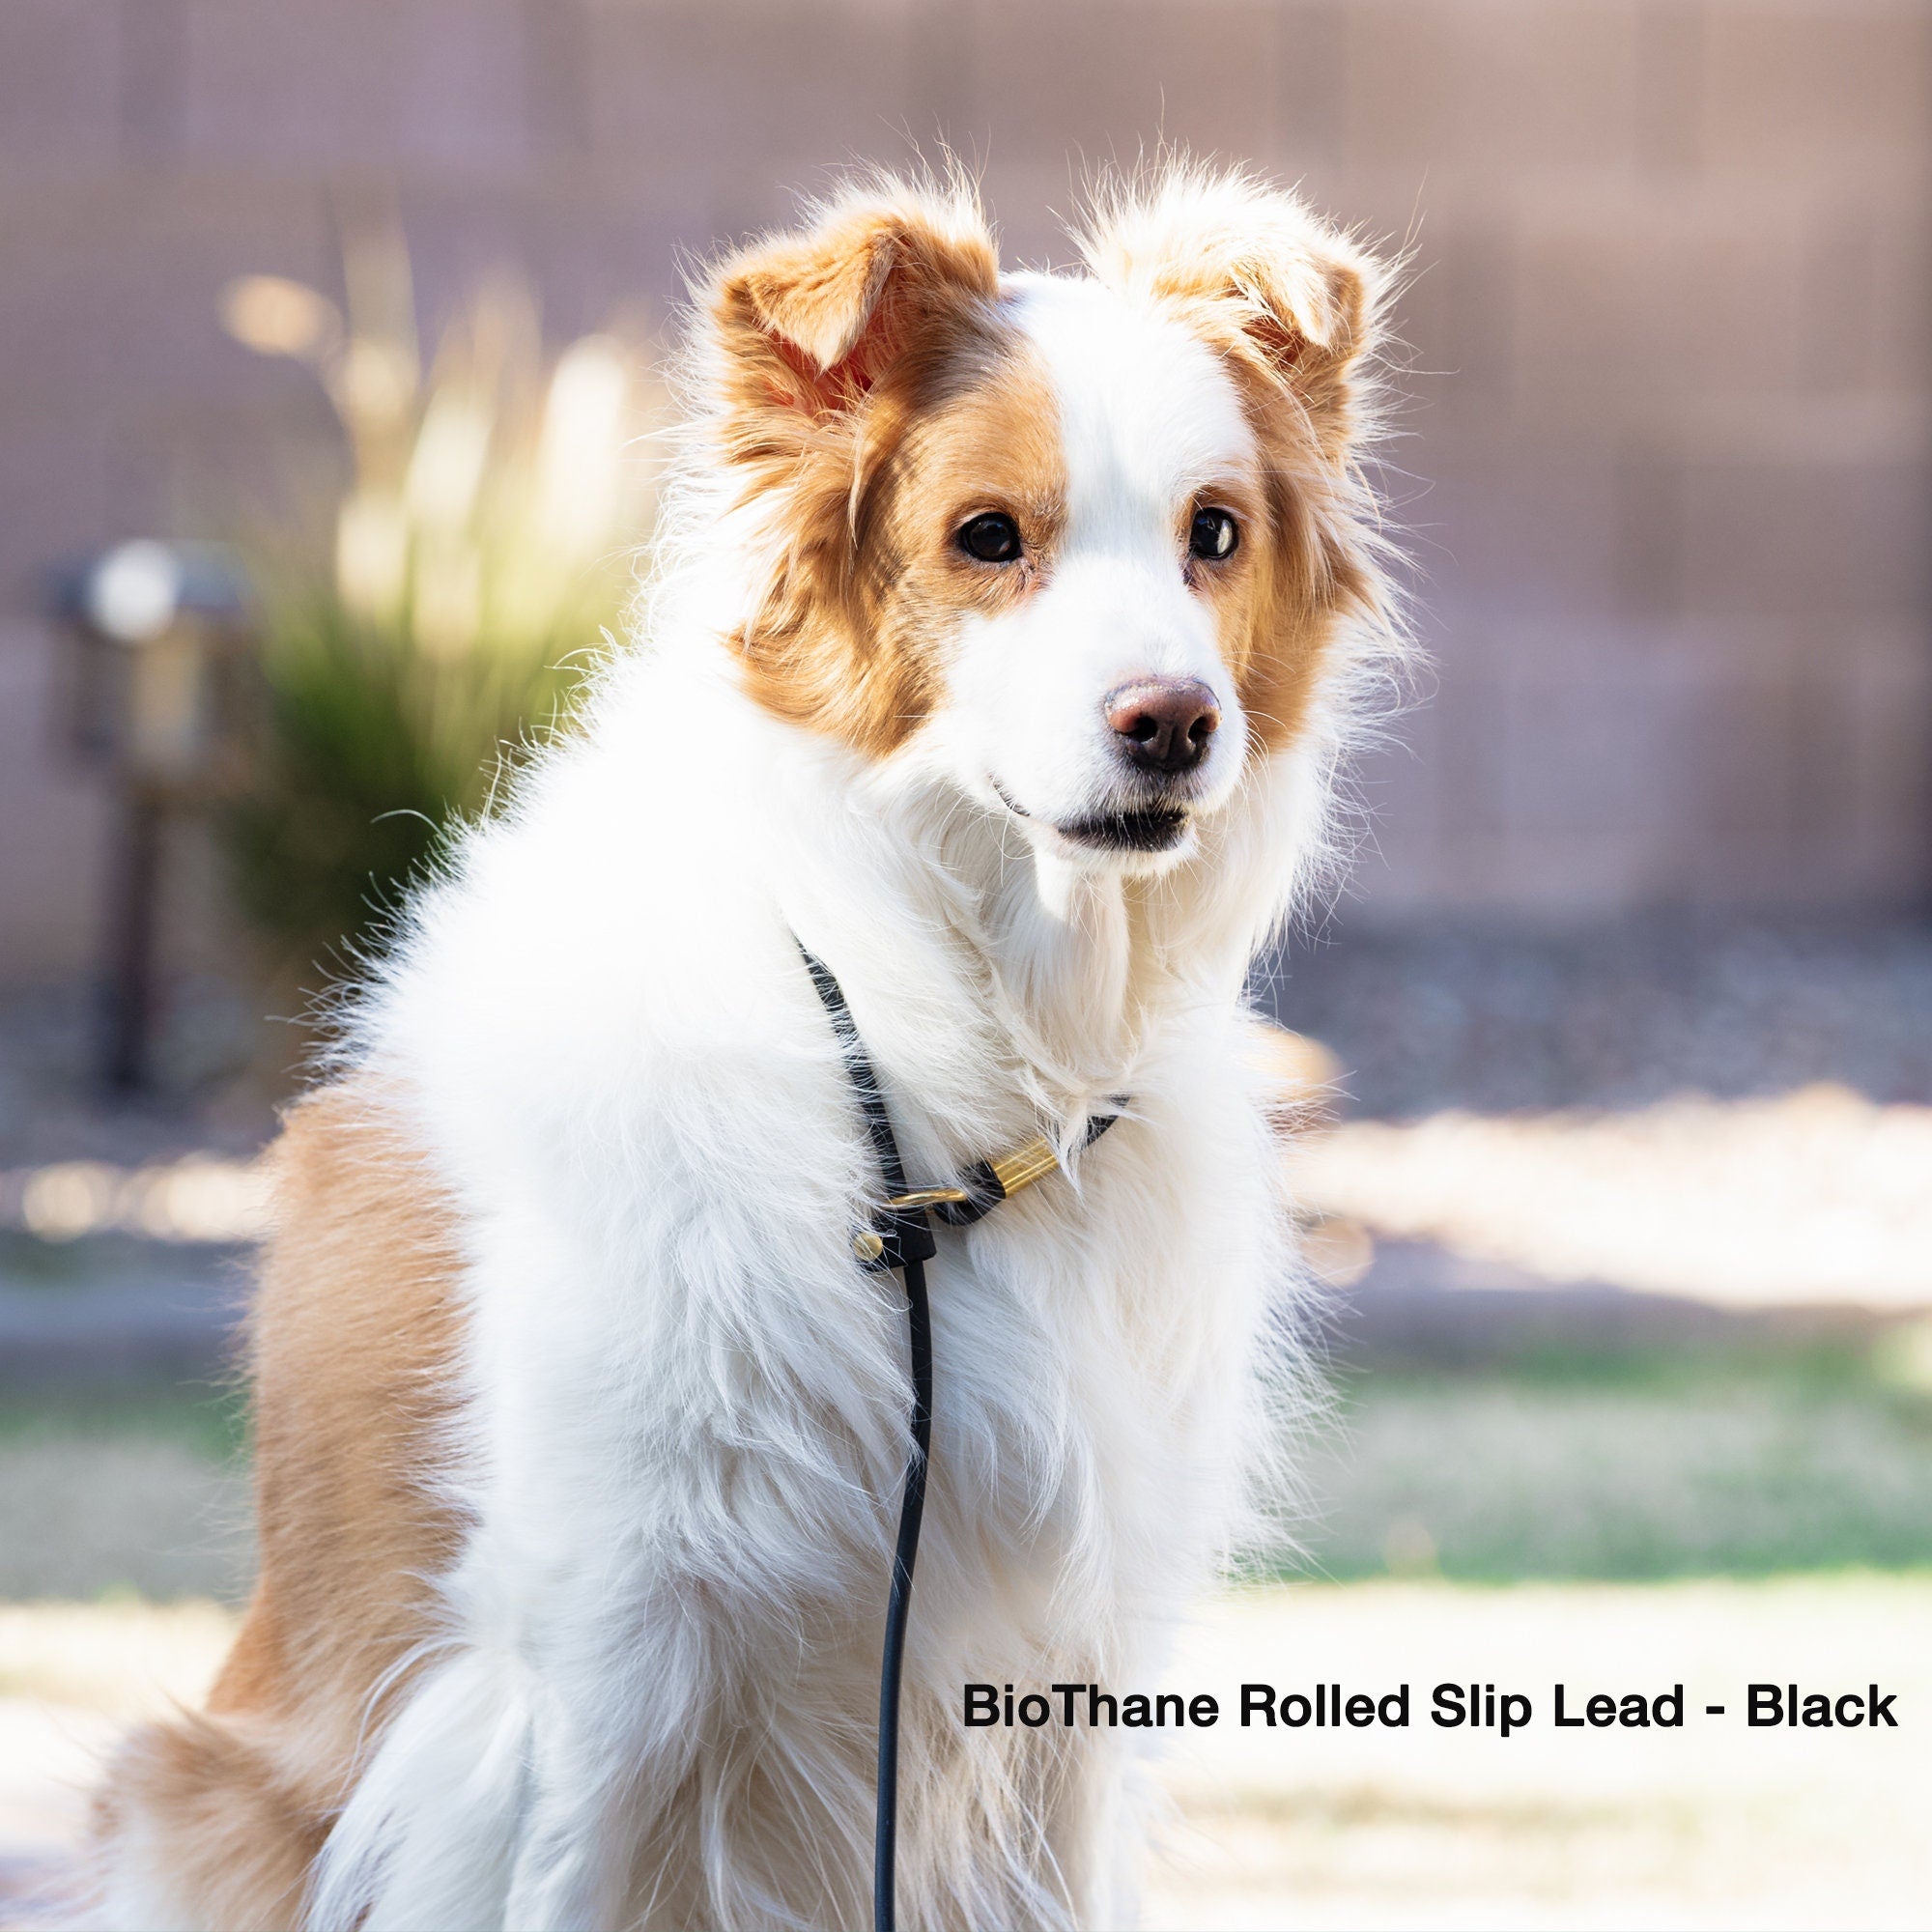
<point>1003,647</point>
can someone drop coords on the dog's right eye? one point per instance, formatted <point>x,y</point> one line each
<point>992,539</point>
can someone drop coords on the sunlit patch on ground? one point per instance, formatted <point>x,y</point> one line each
<point>125,1657</point>
<point>200,1197</point>
<point>1816,1196</point>
<point>71,1677</point>
<point>1711,1825</point>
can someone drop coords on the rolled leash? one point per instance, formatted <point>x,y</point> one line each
<point>901,1239</point>
<point>898,1604</point>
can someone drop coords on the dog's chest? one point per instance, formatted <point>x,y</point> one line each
<point>684,1400</point>
<point>1091,1343</point>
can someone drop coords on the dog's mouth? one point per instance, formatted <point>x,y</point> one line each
<point>1144,828</point>
<point>1157,830</point>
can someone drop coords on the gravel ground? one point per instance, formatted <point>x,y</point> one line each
<point>1491,1020</point>
<point>141,1515</point>
<point>209,1092</point>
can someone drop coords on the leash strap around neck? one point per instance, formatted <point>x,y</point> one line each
<point>906,1234</point>
<point>901,1238</point>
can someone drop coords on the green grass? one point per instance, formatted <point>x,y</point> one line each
<point>1626,1466</point>
<point>28,1260</point>
<point>135,1492</point>
<point>208,1419</point>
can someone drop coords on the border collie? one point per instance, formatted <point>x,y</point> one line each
<point>1002,647</point>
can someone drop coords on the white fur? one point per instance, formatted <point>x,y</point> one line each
<point>1147,417</point>
<point>686,1407</point>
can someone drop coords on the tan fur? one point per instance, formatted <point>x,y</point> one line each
<point>352,1344</point>
<point>1304,573</point>
<point>218,1827</point>
<point>1292,307</point>
<point>830,344</point>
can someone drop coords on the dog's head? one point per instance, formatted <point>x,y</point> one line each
<point>1083,542</point>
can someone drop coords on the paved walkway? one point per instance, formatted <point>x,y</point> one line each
<point>162,1317</point>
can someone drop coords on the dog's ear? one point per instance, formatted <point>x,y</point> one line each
<point>799,331</point>
<point>809,321</point>
<point>1253,269</point>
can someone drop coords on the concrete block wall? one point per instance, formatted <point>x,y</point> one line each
<point>1665,461</point>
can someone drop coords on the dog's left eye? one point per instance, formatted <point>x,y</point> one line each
<point>992,539</point>
<point>1214,535</point>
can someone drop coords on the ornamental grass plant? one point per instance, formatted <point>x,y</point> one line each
<point>435,617</point>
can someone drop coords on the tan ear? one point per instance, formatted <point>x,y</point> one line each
<point>1252,265</point>
<point>811,321</point>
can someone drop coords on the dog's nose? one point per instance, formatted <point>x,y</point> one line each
<point>1163,722</point>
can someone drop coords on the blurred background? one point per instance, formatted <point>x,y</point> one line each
<point>332,339</point>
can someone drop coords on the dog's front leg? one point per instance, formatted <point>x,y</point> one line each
<point>612,1739</point>
<point>1092,1838</point>
<point>573,1855</point>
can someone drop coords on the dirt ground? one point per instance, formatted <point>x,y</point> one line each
<point>1713,1825</point>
